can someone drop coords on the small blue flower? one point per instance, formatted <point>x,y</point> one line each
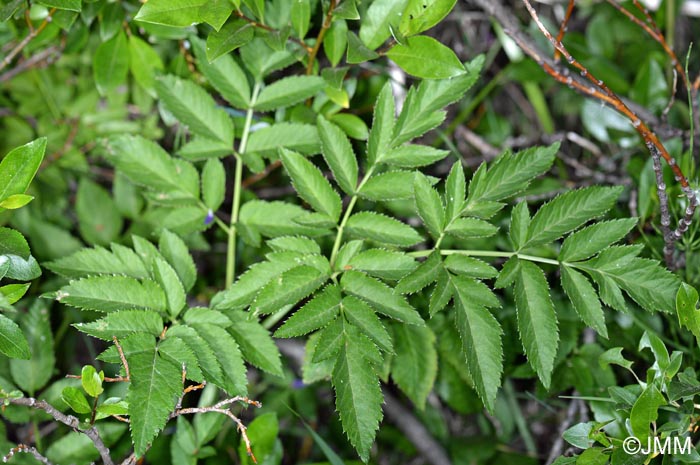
<point>209,218</point>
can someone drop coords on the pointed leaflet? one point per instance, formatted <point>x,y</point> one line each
<point>175,251</point>
<point>592,239</point>
<point>358,313</point>
<point>519,225</point>
<point>224,74</point>
<point>228,355</point>
<point>469,266</point>
<point>255,342</point>
<point>112,293</point>
<point>377,22</point>
<point>330,340</point>
<point>414,367</point>
<point>17,168</point>
<point>481,342</point>
<point>97,261</point>
<point>455,190</point>
<point>170,283</point>
<point>380,296</point>
<point>390,185</point>
<point>122,324</point>
<point>584,299</point>
<point>537,322</point>
<point>288,289</point>
<point>231,36</point>
<point>413,156</point>
<point>317,313</point>
<point>178,13</point>
<point>381,228</point>
<point>288,91</point>
<point>147,164</point>
<point>510,173</point>
<point>568,211</point>
<point>442,292</point>
<point>382,263</point>
<point>206,358</point>
<point>358,396</point>
<point>382,125</point>
<point>338,154</point>
<point>194,107</point>
<point>311,185</point>
<point>422,110</point>
<point>156,384</point>
<point>302,138</point>
<point>423,275</point>
<point>429,205</point>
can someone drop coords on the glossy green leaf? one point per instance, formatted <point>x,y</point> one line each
<point>481,342</point>
<point>686,307</point>
<point>426,58</point>
<point>421,15</point>
<point>18,167</point>
<point>232,36</point>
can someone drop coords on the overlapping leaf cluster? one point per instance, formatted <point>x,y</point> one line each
<point>142,292</point>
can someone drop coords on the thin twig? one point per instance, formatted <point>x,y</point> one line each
<point>122,357</point>
<point>319,39</point>
<point>68,420</point>
<point>219,408</point>
<point>41,58</point>
<point>25,449</point>
<point>32,34</point>
<point>563,27</point>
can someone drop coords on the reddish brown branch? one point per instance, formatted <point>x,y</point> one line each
<point>649,25</point>
<point>563,27</point>
<point>602,92</point>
